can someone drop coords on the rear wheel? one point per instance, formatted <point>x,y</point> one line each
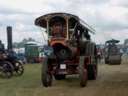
<point>6,70</point>
<point>118,62</point>
<point>82,72</point>
<point>46,76</point>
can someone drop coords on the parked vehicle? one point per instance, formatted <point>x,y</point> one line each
<point>70,49</point>
<point>9,62</point>
<point>32,53</point>
<point>112,52</point>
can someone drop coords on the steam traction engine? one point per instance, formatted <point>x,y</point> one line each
<point>69,51</point>
<point>112,52</point>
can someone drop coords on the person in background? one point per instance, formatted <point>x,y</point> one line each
<point>99,54</point>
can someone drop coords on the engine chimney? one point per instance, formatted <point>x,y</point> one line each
<point>9,37</point>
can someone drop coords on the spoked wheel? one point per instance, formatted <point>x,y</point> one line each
<point>92,72</point>
<point>6,70</point>
<point>19,69</point>
<point>82,72</point>
<point>59,77</point>
<point>46,76</point>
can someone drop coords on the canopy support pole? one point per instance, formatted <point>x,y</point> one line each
<point>67,28</point>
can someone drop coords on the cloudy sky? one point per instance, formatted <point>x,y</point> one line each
<point>108,17</point>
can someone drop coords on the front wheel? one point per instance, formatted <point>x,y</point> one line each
<point>19,69</point>
<point>46,76</point>
<point>82,72</point>
<point>92,72</point>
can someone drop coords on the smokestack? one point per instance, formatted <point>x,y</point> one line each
<point>9,37</point>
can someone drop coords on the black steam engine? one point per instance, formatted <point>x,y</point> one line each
<point>9,62</point>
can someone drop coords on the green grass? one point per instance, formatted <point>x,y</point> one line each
<point>112,81</point>
<point>29,80</point>
<point>29,84</point>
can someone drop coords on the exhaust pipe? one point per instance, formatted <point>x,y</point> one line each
<point>9,38</point>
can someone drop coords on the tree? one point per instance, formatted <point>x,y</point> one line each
<point>22,43</point>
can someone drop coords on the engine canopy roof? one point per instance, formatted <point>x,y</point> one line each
<point>42,20</point>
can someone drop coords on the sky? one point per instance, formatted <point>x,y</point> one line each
<point>108,17</point>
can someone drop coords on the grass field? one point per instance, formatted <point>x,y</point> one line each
<point>29,84</point>
<point>16,86</point>
<point>111,81</point>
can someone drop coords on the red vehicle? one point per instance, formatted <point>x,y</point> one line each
<point>70,49</point>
